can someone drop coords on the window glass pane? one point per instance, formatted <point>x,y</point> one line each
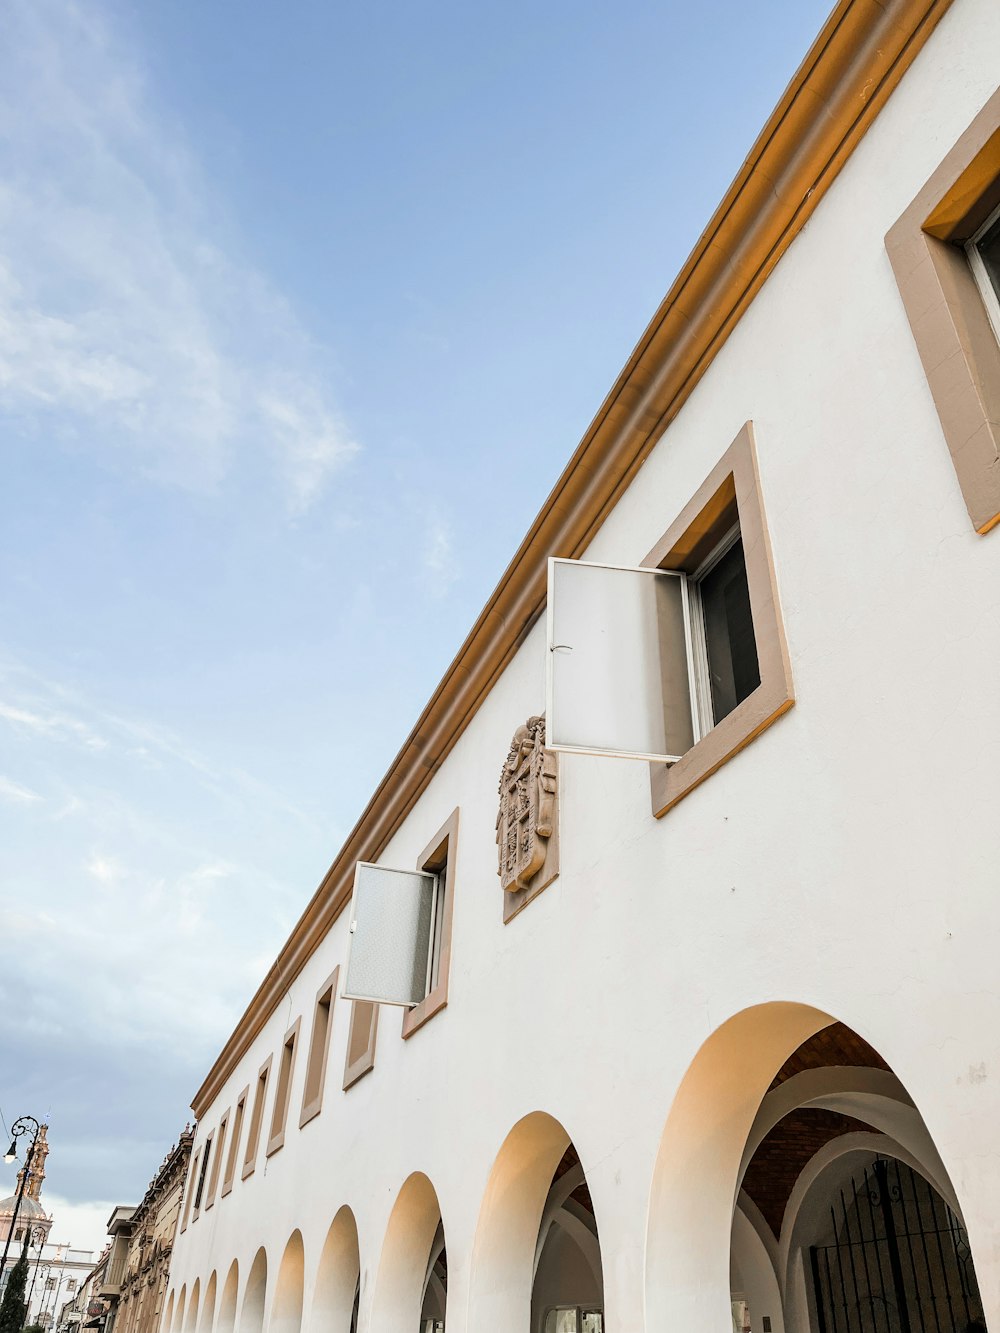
<point>729,637</point>
<point>989,251</point>
<point>391,920</point>
<point>561,1321</point>
<point>619,679</point>
<point>592,1321</point>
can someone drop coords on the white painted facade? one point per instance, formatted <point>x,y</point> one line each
<point>845,862</point>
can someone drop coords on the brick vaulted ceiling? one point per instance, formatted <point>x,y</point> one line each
<point>798,1136</point>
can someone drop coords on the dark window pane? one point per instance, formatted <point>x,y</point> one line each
<point>732,649</point>
<point>989,249</point>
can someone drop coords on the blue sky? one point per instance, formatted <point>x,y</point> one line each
<point>302,310</point>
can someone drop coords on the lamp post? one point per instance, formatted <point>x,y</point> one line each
<point>38,1235</point>
<point>20,1127</point>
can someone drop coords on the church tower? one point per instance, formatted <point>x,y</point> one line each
<point>30,1213</point>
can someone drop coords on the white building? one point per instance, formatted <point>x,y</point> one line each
<point>731,1056</point>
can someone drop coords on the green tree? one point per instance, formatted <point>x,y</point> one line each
<point>14,1307</point>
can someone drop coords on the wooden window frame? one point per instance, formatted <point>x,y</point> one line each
<point>318,1057</point>
<point>949,320</point>
<point>730,493</point>
<point>256,1119</point>
<point>283,1088</point>
<point>239,1114</point>
<point>213,1179</point>
<point>440,853</point>
<point>363,1063</point>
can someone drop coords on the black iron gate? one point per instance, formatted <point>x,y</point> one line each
<point>900,1262</point>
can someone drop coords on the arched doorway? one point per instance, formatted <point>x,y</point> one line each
<point>252,1312</point>
<point>567,1293</point>
<point>411,1290</point>
<point>850,1204</point>
<point>286,1312</point>
<point>227,1306</point>
<point>338,1285</point>
<point>783,1111</point>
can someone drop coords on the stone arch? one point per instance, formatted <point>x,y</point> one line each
<point>337,1276</point>
<point>178,1323</point>
<point>191,1317</point>
<point>530,1224</point>
<point>252,1311</point>
<point>405,1262</point>
<point>208,1307</point>
<point>776,1102</point>
<point>227,1306</point>
<point>286,1310</point>
<point>168,1314</point>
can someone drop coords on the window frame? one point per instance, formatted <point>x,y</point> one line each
<point>202,1177</point>
<point>189,1193</point>
<point>439,854</point>
<point>945,307</point>
<point>364,1062</point>
<point>730,494</point>
<point>239,1114</point>
<point>317,1060</point>
<point>283,1089</point>
<point>256,1119</point>
<point>213,1179</point>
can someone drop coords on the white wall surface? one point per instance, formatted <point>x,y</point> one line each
<point>846,860</point>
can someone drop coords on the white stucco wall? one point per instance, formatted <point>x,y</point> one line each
<point>846,860</point>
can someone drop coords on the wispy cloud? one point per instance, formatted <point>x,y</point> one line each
<point>13,791</point>
<point>439,565</point>
<point>126,323</point>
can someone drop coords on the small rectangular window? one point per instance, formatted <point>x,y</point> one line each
<point>192,1177</point>
<point>984,256</point>
<point>220,1148</point>
<point>283,1091</point>
<point>319,1049</point>
<point>202,1173</point>
<point>256,1119</point>
<point>234,1142</point>
<point>725,650</point>
<point>361,1041</point>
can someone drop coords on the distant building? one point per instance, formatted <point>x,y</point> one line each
<point>146,1252</point>
<point>55,1271</point>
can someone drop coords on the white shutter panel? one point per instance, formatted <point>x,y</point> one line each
<point>620,671</point>
<point>392,914</point>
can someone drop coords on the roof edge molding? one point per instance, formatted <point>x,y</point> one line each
<point>858,58</point>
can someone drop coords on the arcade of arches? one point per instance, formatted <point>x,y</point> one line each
<point>839,1213</point>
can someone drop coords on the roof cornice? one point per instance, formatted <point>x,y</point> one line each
<point>862,52</point>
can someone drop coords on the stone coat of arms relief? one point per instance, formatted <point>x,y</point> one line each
<point>527,822</point>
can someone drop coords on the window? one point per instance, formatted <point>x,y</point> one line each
<point>234,1142</point>
<point>945,254</point>
<point>319,1049</point>
<point>199,1191</point>
<point>400,928</point>
<point>256,1119</point>
<point>984,257</point>
<point>681,661</point>
<point>361,1041</point>
<point>283,1091</point>
<point>217,1162</point>
<point>192,1177</point>
<point>573,1319</point>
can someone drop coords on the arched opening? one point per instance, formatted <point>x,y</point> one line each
<point>286,1313</point>
<point>252,1313</point>
<point>537,1260</point>
<point>178,1323</point>
<point>338,1287</point>
<point>813,1199</point>
<point>208,1307</point>
<point>227,1305</point>
<point>169,1314</point>
<point>411,1290</point>
<point>191,1318</point>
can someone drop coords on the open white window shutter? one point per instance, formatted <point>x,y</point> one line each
<point>620,670</point>
<point>392,919</point>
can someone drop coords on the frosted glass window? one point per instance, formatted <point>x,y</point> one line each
<point>620,670</point>
<point>392,918</point>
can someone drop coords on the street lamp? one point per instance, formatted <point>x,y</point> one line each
<point>20,1127</point>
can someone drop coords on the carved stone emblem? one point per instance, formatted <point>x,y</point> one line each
<point>527,817</point>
